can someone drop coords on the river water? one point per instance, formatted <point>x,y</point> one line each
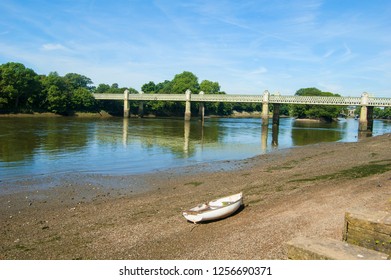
<point>38,146</point>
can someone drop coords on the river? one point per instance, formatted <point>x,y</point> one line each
<point>38,146</point>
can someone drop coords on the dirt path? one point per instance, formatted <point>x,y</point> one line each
<point>297,192</point>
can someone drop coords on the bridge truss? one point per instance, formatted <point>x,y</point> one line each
<point>239,98</point>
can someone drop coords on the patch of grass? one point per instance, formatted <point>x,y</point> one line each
<point>254,189</point>
<point>280,167</point>
<point>22,248</point>
<point>54,238</point>
<point>195,184</point>
<point>255,201</point>
<point>288,165</point>
<point>361,171</point>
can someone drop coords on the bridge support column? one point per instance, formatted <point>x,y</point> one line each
<point>126,104</point>
<point>265,108</point>
<point>187,107</point>
<point>366,116</point>
<point>202,110</point>
<point>141,107</point>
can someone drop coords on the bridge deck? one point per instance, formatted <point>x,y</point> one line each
<point>238,98</point>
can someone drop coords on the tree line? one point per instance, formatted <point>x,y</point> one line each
<point>22,90</point>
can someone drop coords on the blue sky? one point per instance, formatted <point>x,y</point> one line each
<point>247,46</point>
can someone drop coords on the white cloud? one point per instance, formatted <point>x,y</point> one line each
<point>53,47</point>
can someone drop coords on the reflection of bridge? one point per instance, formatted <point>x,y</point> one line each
<point>366,102</point>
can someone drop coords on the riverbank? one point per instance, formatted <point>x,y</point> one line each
<point>101,114</point>
<point>302,191</point>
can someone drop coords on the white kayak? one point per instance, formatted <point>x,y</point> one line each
<point>215,209</point>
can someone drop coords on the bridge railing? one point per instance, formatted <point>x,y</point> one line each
<point>238,98</point>
<point>315,100</point>
<point>380,102</point>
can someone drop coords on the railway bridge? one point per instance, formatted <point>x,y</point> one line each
<point>366,102</point>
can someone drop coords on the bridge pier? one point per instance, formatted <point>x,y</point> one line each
<point>126,104</point>
<point>141,107</point>
<point>187,106</point>
<point>366,116</point>
<point>265,108</point>
<point>202,110</point>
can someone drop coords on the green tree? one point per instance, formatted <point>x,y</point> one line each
<point>219,108</point>
<point>58,93</point>
<point>18,87</point>
<point>58,101</point>
<point>209,87</point>
<point>76,81</point>
<point>149,87</point>
<point>102,88</point>
<point>387,113</point>
<point>114,107</point>
<point>164,87</point>
<point>382,113</point>
<point>185,81</point>
<point>327,113</point>
<point>83,101</point>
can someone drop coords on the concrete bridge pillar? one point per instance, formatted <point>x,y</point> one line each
<point>265,108</point>
<point>141,107</point>
<point>126,104</point>
<point>366,116</point>
<point>202,109</point>
<point>187,107</point>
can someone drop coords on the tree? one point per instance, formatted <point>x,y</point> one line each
<point>327,113</point>
<point>209,87</point>
<point>164,87</point>
<point>219,108</point>
<point>102,88</point>
<point>76,81</point>
<point>185,81</point>
<point>382,113</point>
<point>18,87</point>
<point>149,88</point>
<point>58,93</point>
<point>83,100</point>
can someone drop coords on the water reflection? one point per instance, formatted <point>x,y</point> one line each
<point>30,146</point>
<point>186,138</point>
<point>264,137</point>
<point>307,132</point>
<point>275,129</point>
<point>125,128</point>
<point>22,138</point>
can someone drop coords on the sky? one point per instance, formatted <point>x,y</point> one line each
<point>246,46</point>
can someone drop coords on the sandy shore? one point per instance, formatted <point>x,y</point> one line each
<point>296,192</point>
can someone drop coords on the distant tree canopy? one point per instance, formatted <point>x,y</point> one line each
<point>179,85</point>
<point>327,113</point>
<point>19,87</point>
<point>382,113</point>
<point>23,90</point>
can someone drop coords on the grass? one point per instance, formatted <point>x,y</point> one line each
<point>255,201</point>
<point>195,184</point>
<point>361,171</point>
<point>23,248</point>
